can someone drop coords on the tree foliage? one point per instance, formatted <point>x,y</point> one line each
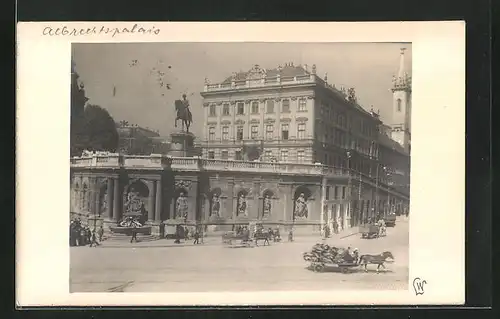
<point>99,129</point>
<point>92,127</point>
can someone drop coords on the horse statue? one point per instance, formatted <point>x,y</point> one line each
<point>184,114</point>
<point>378,260</point>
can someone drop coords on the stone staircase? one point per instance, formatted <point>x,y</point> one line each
<point>114,237</point>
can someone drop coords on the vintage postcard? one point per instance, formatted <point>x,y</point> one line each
<point>241,163</point>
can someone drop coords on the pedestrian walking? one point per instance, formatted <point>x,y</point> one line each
<point>196,238</point>
<point>162,229</point>
<point>93,241</point>
<point>88,235</point>
<point>100,233</point>
<point>134,234</point>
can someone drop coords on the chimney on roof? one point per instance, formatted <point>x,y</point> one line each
<point>314,69</point>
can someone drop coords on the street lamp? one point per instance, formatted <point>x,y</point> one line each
<point>376,188</point>
<point>349,181</point>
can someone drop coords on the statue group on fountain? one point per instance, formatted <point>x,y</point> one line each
<point>183,113</point>
<point>301,206</point>
<point>134,210</point>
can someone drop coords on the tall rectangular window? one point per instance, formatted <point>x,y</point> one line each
<point>254,133</point>
<point>237,156</point>
<point>284,131</point>
<point>285,106</point>
<point>301,130</point>
<point>301,156</point>
<point>239,133</point>
<point>240,108</point>
<point>343,192</point>
<point>212,110</point>
<point>255,107</point>
<point>284,156</point>
<point>268,155</point>
<point>211,154</point>
<point>270,106</point>
<point>302,105</point>
<point>269,132</point>
<point>336,192</point>
<point>225,109</point>
<point>224,155</point>
<point>211,133</point>
<point>225,133</point>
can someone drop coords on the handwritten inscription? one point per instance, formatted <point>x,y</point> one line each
<point>96,30</point>
<point>418,286</point>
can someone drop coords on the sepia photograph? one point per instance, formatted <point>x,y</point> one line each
<point>199,167</point>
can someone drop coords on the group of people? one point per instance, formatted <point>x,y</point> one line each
<point>183,232</point>
<point>351,257</point>
<point>81,234</point>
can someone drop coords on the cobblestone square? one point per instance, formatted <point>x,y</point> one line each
<point>215,267</point>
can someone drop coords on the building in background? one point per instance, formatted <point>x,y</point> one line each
<point>290,114</point>
<point>136,140</point>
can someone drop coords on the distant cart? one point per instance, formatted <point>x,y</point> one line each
<point>369,230</point>
<point>390,220</point>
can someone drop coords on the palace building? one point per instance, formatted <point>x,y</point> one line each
<point>280,145</point>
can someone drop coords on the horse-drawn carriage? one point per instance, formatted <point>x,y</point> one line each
<point>242,238</point>
<point>245,236</point>
<point>323,256</point>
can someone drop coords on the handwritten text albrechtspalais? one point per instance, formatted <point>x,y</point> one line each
<point>96,30</point>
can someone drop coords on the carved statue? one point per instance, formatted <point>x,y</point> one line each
<point>215,209</point>
<point>267,206</point>
<point>104,203</point>
<point>183,112</point>
<point>351,95</point>
<point>182,206</point>
<point>242,205</point>
<point>301,206</point>
<point>133,204</point>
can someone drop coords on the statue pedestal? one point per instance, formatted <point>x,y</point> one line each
<point>182,144</point>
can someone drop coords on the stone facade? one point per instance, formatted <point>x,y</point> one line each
<point>223,192</point>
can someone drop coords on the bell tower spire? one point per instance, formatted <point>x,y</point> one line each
<point>401,111</point>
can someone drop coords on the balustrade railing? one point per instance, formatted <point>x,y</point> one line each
<point>158,161</point>
<point>266,81</point>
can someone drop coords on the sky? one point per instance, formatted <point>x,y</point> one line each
<point>129,79</point>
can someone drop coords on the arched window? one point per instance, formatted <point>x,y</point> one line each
<point>399,105</point>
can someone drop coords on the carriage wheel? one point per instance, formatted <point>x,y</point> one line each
<point>344,270</point>
<point>319,268</point>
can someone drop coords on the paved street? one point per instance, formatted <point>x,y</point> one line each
<point>214,267</point>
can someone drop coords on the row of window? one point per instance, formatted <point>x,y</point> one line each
<point>254,107</point>
<point>345,140</point>
<point>254,132</point>
<point>339,192</point>
<point>267,156</point>
<point>329,114</point>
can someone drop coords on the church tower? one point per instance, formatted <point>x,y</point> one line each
<point>401,109</point>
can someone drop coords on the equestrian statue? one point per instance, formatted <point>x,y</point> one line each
<point>183,112</point>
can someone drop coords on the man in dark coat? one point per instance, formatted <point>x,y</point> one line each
<point>134,234</point>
